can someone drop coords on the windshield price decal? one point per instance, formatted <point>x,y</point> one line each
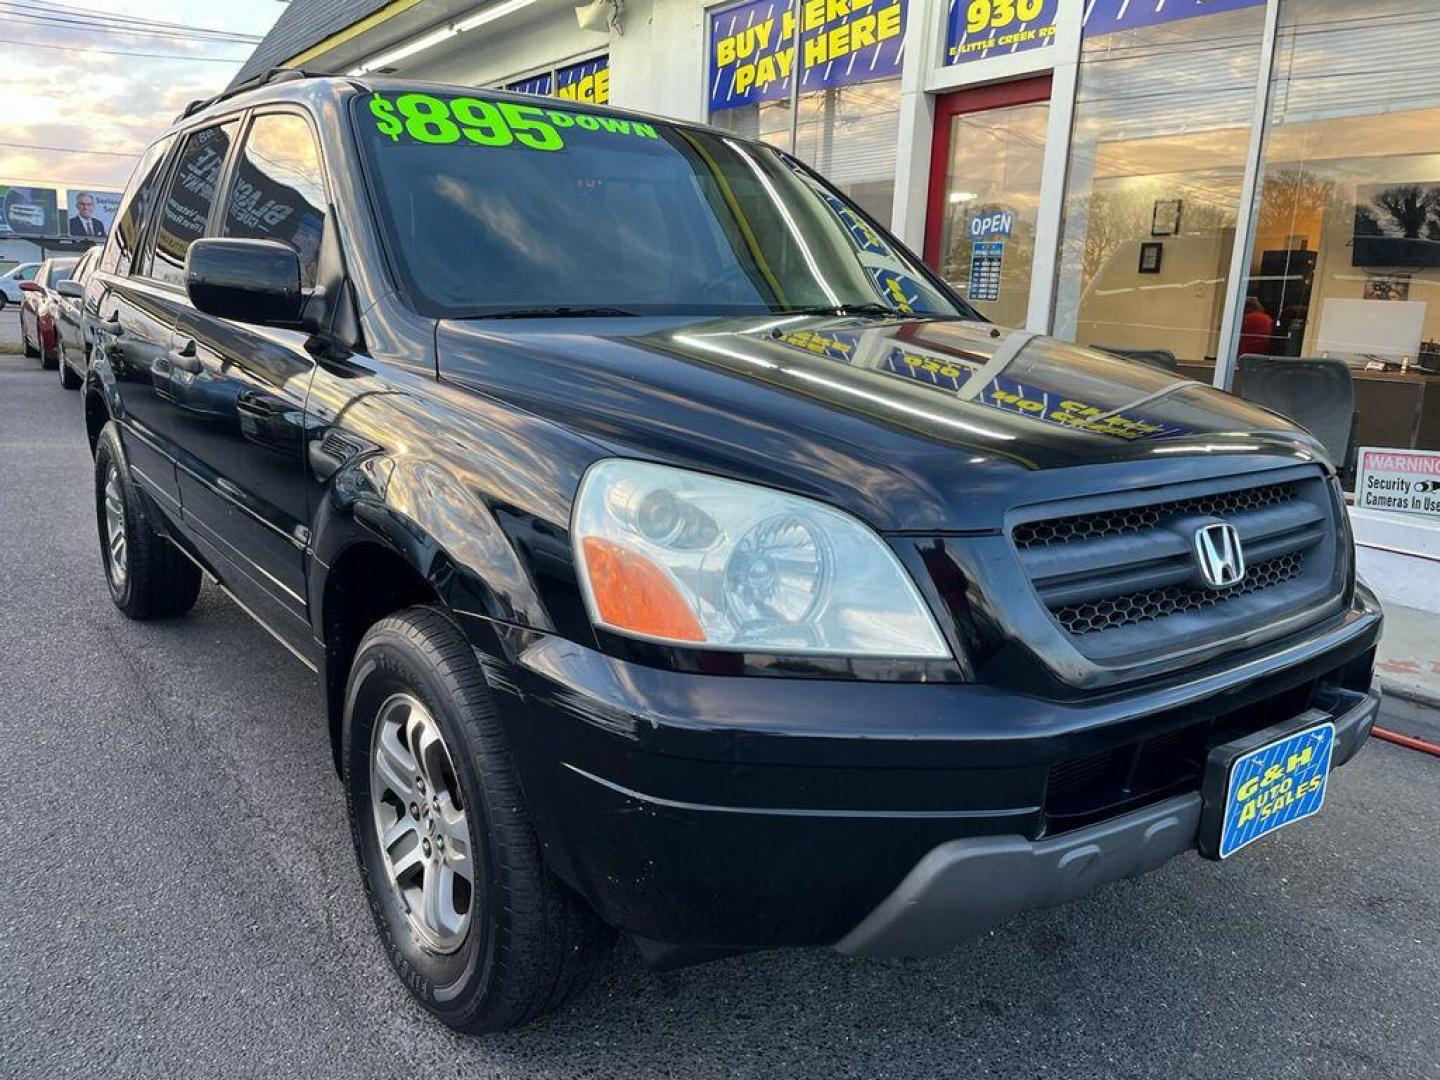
<point>425,118</point>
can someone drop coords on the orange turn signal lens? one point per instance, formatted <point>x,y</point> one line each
<point>633,593</point>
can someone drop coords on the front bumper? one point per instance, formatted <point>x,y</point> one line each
<point>729,813</point>
<point>964,887</point>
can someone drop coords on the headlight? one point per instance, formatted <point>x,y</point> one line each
<point>689,559</point>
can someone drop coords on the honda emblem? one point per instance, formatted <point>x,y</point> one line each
<point>1218,554</point>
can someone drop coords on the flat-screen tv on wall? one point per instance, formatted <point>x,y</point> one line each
<point>1397,225</point>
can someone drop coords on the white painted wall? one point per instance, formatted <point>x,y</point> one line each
<point>1398,555</point>
<point>658,64</point>
<point>537,36</point>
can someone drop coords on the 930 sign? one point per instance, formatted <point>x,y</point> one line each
<point>982,15</point>
<point>979,28</point>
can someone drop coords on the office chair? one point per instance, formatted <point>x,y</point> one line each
<point>1316,392</point>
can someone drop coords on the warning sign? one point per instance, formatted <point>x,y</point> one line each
<point>1407,481</point>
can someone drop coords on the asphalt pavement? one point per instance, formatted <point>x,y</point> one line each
<point>179,898</point>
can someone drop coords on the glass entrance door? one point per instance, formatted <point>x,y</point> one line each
<point>987,157</point>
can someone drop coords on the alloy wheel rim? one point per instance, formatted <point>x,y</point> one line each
<point>421,823</point>
<point>116,552</point>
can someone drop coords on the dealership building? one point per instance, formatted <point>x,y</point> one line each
<point>1247,192</point>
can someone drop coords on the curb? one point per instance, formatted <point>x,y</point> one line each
<point>1416,695</point>
<point>1410,710</point>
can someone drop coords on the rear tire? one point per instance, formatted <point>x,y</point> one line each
<point>47,362</point>
<point>68,379</point>
<point>30,350</point>
<point>420,722</point>
<point>149,577</point>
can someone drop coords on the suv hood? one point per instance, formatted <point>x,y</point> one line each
<point>912,424</point>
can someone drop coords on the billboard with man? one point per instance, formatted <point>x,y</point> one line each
<point>91,213</point>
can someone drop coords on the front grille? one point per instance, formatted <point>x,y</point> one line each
<point>1133,519</point>
<point>1119,574</point>
<point>1090,618</point>
<point>1082,791</point>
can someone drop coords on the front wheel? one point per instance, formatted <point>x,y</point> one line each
<point>475,925</point>
<point>149,577</point>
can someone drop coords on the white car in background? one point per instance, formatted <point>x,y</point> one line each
<point>10,282</point>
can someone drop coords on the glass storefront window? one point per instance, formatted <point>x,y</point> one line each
<point>996,157</point>
<point>1345,267</point>
<point>768,121</point>
<point>1163,115</point>
<point>849,134</point>
<point>847,112</point>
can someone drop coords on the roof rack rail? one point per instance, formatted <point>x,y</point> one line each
<point>264,78</point>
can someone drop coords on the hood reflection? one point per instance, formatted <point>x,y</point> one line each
<point>1018,372</point>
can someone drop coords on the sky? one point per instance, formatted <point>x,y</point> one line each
<point>88,80</point>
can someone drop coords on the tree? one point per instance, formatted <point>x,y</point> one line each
<point>1291,196</point>
<point>1408,205</point>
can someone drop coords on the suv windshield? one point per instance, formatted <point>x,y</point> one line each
<point>494,207</point>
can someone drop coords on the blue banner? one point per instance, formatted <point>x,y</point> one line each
<point>1011,395</point>
<point>1110,16</point>
<point>587,81</point>
<point>535,84</point>
<point>975,29</point>
<point>842,42</point>
<point>932,368</point>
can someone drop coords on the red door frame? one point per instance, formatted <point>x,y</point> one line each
<point>970,100</point>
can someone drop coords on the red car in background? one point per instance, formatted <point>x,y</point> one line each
<point>37,323</point>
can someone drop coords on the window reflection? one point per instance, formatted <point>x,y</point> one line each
<point>1345,267</point>
<point>996,160</point>
<point>1162,127</point>
<point>278,193</point>
<point>188,201</point>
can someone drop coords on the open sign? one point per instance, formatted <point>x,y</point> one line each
<point>986,225</point>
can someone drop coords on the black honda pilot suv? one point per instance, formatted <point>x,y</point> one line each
<point>680,556</point>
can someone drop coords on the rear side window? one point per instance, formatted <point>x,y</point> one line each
<point>279,189</point>
<point>188,199</point>
<point>130,226</point>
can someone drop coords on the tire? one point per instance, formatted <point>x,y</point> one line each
<point>525,943</point>
<point>149,577</point>
<point>30,350</point>
<point>68,379</point>
<point>47,362</point>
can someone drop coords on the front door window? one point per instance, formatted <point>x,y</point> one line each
<point>985,195</point>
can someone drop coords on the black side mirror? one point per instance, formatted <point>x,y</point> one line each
<point>73,289</point>
<point>253,281</point>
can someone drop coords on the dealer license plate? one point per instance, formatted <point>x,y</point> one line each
<point>1275,785</point>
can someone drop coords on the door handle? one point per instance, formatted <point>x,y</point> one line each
<point>257,404</point>
<point>185,358</point>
